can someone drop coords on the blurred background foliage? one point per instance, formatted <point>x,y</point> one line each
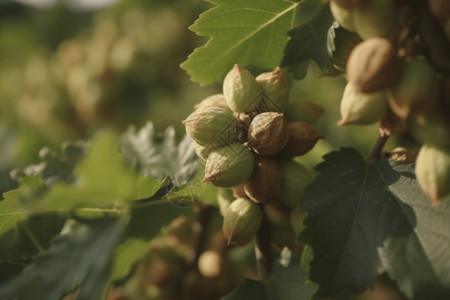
<point>69,68</point>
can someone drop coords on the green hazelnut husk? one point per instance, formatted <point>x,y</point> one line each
<point>241,221</point>
<point>209,126</point>
<point>229,166</point>
<point>295,178</point>
<point>241,90</point>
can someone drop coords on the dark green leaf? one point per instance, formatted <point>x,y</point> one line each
<point>79,259</point>
<point>249,289</point>
<point>309,42</point>
<point>340,44</point>
<point>146,220</point>
<point>287,282</point>
<point>29,237</point>
<point>53,167</point>
<point>368,218</point>
<point>159,157</point>
<point>249,32</point>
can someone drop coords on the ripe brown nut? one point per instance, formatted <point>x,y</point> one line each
<point>374,65</point>
<point>268,133</point>
<point>402,155</point>
<point>277,214</point>
<point>347,4</point>
<point>302,138</point>
<point>265,182</point>
<point>440,9</point>
<point>391,124</point>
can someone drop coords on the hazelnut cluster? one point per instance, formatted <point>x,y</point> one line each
<point>247,137</point>
<point>166,271</point>
<point>390,81</point>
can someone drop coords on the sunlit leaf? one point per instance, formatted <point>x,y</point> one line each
<point>247,32</point>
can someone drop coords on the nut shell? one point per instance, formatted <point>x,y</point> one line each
<point>211,126</point>
<point>229,166</point>
<point>265,182</point>
<point>241,221</point>
<point>242,92</point>
<point>374,65</point>
<point>268,133</point>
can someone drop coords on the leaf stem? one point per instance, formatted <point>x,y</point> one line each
<point>263,251</point>
<point>377,148</point>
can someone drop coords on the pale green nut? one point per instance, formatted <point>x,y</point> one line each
<point>431,129</point>
<point>362,109</point>
<point>229,166</point>
<point>345,17</point>
<point>305,111</point>
<point>276,90</point>
<point>378,18</point>
<point>211,126</point>
<point>224,199</point>
<point>295,178</point>
<point>217,100</point>
<point>296,219</point>
<point>241,221</point>
<point>433,171</point>
<point>241,90</point>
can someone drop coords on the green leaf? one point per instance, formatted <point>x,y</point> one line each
<point>53,167</point>
<point>249,289</point>
<point>23,236</point>
<point>159,157</point>
<point>77,260</point>
<point>11,209</point>
<point>310,42</point>
<point>247,32</point>
<point>126,255</point>
<point>287,282</point>
<point>364,219</point>
<point>147,219</point>
<point>29,237</point>
<point>101,179</point>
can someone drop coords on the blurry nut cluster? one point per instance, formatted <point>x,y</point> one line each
<point>390,81</point>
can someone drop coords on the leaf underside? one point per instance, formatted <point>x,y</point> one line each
<point>246,32</point>
<point>365,219</point>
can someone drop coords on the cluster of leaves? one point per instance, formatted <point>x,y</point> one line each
<point>87,212</point>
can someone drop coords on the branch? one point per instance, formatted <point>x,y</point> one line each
<point>263,251</point>
<point>200,231</point>
<point>377,148</point>
<point>437,46</point>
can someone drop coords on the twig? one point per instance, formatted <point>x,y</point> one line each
<point>200,231</point>
<point>377,148</point>
<point>433,36</point>
<point>263,251</point>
